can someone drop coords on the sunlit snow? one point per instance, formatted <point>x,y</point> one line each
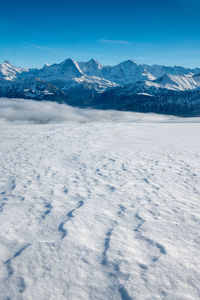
<point>97,204</point>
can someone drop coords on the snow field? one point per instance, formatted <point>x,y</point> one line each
<point>100,211</point>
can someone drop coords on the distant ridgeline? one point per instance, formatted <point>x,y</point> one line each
<point>126,86</point>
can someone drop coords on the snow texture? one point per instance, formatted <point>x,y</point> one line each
<point>100,210</point>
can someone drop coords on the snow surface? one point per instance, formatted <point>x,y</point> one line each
<point>9,72</point>
<point>99,210</point>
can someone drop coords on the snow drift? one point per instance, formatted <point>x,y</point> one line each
<point>99,210</point>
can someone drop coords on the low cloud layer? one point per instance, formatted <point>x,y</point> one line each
<point>20,111</point>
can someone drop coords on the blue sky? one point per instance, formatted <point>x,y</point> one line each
<point>148,31</point>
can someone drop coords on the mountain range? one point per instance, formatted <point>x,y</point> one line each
<point>125,86</point>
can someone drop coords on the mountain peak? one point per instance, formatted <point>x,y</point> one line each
<point>67,60</point>
<point>93,61</point>
<point>6,62</point>
<point>70,64</point>
<point>65,71</point>
<point>130,61</point>
<point>46,65</point>
<point>91,67</point>
<point>8,71</point>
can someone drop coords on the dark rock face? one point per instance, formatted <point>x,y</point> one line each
<point>36,89</point>
<point>163,101</point>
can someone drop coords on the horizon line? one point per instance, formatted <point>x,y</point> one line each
<point>104,65</point>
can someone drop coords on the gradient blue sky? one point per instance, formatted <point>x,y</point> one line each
<point>149,31</point>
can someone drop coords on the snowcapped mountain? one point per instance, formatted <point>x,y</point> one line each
<point>148,97</point>
<point>32,89</point>
<point>79,80</point>
<point>9,72</point>
<point>127,72</point>
<point>65,71</point>
<point>90,84</point>
<point>83,89</point>
<point>91,68</point>
<point>159,70</point>
<point>181,83</point>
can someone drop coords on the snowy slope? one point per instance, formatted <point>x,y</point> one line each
<point>79,79</point>
<point>127,72</point>
<point>63,72</point>
<point>83,84</point>
<point>91,68</point>
<point>165,96</point>
<point>123,73</point>
<point>31,88</point>
<point>10,72</point>
<point>160,70</point>
<point>179,83</point>
<point>83,89</point>
<point>100,211</point>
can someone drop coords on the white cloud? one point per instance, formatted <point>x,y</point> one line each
<point>42,112</point>
<point>115,42</point>
<point>20,111</point>
<point>43,48</point>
